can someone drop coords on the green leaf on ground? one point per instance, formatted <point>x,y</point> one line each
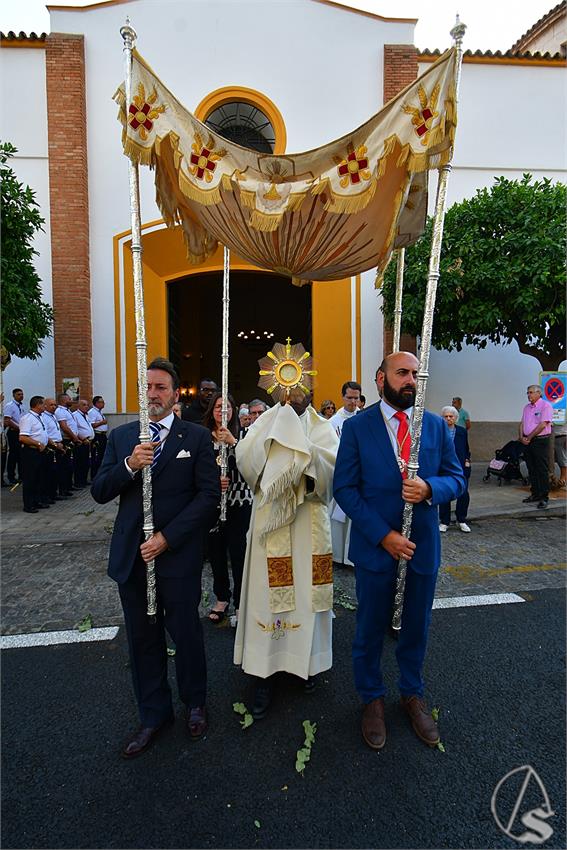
<point>440,747</point>
<point>248,721</point>
<point>239,707</point>
<point>435,713</point>
<point>170,650</point>
<point>205,599</point>
<point>85,624</point>
<point>257,824</point>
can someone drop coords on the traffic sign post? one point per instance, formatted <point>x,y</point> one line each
<point>553,390</point>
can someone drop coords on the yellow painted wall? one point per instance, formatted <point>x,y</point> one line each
<point>332,338</point>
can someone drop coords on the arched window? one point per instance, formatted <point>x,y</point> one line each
<point>244,116</point>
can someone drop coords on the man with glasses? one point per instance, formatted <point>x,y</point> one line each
<point>195,411</point>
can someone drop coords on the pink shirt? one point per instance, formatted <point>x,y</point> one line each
<point>534,415</point>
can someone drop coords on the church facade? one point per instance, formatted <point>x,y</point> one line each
<point>279,76</point>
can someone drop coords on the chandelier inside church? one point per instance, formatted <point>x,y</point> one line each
<point>254,337</point>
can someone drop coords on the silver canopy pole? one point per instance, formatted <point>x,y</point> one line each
<point>457,34</point>
<point>401,252</point>
<point>129,36</point>
<point>224,381</point>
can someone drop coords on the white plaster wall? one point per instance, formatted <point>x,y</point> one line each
<point>325,76</point>
<point>493,139</point>
<point>23,121</point>
<point>371,331</point>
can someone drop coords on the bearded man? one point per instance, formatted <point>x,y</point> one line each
<point>285,616</point>
<point>185,495</point>
<point>371,485</point>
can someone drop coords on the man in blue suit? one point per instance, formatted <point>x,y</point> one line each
<point>370,485</point>
<point>186,494</point>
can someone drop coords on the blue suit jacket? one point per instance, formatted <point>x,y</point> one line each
<point>185,498</point>
<point>368,485</point>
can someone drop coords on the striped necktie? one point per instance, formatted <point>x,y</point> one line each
<point>155,429</point>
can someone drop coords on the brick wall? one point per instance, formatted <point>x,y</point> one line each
<point>400,69</point>
<point>68,187</point>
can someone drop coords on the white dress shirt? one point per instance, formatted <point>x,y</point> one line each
<point>63,414</point>
<point>31,425</point>
<point>85,430</point>
<point>389,414</point>
<point>95,415</point>
<point>15,410</point>
<point>52,427</point>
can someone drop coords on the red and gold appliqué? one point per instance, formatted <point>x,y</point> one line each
<point>354,168</point>
<point>204,158</point>
<point>423,118</point>
<point>142,112</point>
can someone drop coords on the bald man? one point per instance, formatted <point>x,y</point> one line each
<point>371,485</point>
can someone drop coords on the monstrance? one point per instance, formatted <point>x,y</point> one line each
<point>285,368</point>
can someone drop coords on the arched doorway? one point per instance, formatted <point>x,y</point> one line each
<point>264,308</point>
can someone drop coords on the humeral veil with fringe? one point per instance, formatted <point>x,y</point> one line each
<point>285,617</point>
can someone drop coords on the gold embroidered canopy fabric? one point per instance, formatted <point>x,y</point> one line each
<point>325,214</point>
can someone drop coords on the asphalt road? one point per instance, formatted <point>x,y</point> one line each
<point>495,672</point>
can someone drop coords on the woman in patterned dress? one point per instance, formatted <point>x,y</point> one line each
<point>228,537</point>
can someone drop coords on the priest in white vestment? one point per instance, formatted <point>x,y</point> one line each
<point>285,616</point>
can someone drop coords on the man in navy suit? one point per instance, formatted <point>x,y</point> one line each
<point>370,485</point>
<point>185,497</point>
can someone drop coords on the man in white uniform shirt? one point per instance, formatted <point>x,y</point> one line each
<point>100,425</point>
<point>33,439</point>
<point>341,524</point>
<point>55,481</point>
<point>13,412</point>
<point>85,433</point>
<point>68,427</point>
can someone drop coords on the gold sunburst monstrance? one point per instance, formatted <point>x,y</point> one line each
<point>285,368</point>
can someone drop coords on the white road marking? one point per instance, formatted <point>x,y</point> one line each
<point>53,638</point>
<point>487,599</point>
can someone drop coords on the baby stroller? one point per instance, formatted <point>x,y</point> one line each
<point>505,465</point>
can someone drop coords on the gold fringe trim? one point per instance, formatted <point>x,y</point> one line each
<point>206,197</point>
<point>248,198</point>
<point>264,222</point>
<point>295,201</point>
<point>136,152</point>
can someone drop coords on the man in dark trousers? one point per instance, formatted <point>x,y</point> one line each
<point>186,494</point>
<point>370,485</point>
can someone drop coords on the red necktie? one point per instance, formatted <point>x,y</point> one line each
<point>404,440</point>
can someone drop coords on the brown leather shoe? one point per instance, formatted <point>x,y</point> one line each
<point>373,726</point>
<point>142,739</point>
<point>422,722</point>
<point>197,723</point>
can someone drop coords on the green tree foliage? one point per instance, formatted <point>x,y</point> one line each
<point>502,272</point>
<point>26,319</point>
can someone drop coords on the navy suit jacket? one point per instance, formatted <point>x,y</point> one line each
<point>368,487</point>
<point>185,498</point>
<point>461,443</point>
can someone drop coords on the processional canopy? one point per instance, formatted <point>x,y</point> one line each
<point>326,214</point>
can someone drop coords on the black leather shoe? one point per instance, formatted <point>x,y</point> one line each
<point>42,505</point>
<point>310,684</point>
<point>543,505</point>
<point>262,699</point>
<point>197,723</point>
<point>143,739</point>
<point>529,499</point>
<point>31,510</point>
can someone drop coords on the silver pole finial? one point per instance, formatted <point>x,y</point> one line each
<point>129,35</point>
<point>458,31</point>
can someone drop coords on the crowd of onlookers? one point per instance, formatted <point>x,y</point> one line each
<point>51,446</point>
